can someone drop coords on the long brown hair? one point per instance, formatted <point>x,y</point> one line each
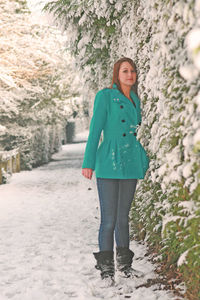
<point>116,73</point>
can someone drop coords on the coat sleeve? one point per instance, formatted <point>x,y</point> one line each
<point>139,114</point>
<point>139,117</point>
<point>138,108</point>
<point>96,125</point>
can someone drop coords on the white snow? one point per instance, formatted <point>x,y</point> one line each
<point>49,220</point>
<point>187,170</point>
<point>189,206</point>
<point>2,129</point>
<point>182,258</point>
<point>188,72</point>
<point>197,5</point>
<point>166,220</point>
<point>197,136</point>
<point>193,42</point>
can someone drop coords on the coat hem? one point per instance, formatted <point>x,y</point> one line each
<point>117,176</point>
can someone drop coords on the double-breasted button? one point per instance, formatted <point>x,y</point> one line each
<point>135,133</point>
<point>123,121</point>
<point>121,106</point>
<point>124,134</point>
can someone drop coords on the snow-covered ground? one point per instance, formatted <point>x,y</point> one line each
<point>49,220</point>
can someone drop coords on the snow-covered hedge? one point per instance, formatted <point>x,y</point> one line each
<point>38,88</point>
<point>163,38</point>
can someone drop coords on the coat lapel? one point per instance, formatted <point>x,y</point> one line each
<point>124,98</point>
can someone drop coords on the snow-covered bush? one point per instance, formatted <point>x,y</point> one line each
<point>38,86</point>
<point>163,38</point>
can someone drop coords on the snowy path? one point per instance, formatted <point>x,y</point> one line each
<point>48,230</point>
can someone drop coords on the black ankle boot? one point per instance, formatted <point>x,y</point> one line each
<point>105,263</point>
<point>124,259</point>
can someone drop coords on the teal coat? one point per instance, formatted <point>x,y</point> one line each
<point>120,154</point>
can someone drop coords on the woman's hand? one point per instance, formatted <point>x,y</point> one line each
<point>87,173</point>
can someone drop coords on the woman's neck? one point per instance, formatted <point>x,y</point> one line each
<point>126,90</point>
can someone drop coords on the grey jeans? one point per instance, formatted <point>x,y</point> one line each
<point>115,197</point>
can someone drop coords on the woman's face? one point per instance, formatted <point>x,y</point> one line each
<point>127,75</point>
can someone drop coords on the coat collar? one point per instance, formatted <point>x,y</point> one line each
<point>114,86</point>
<point>132,94</point>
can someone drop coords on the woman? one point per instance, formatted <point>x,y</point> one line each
<point>119,162</point>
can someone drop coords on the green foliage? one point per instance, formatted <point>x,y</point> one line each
<point>86,21</point>
<point>39,88</point>
<point>190,272</point>
<point>22,7</point>
<point>178,235</point>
